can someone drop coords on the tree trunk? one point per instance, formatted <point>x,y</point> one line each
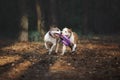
<point>53,12</point>
<point>85,16</point>
<point>40,21</point>
<point>23,24</point>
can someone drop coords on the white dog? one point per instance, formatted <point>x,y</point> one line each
<point>52,36</point>
<point>72,36</point>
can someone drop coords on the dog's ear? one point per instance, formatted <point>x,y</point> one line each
<point>53,26</point>
<point>70,30</point>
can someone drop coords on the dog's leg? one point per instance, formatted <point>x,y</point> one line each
<point>52,48</point>
<point>57,46</point>
<point>63,50</point>
<point>74,47</point>
<point>46,45</point>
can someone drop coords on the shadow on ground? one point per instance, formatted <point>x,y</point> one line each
<point>94,60</point>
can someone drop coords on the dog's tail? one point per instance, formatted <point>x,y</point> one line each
<point>78,41</point>
<point>76,37</point>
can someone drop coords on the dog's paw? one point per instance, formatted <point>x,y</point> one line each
<point>56,51</point>
<point>62,54</point>
<point>49,52</point>
<point>47,48</point>
<point>73,52</point>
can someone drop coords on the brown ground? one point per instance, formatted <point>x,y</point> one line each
<point>97,58</point>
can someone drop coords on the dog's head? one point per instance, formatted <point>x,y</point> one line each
<point>67,32</point>
<point>55,32</point>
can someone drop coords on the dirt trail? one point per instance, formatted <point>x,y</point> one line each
<point>95,59</point>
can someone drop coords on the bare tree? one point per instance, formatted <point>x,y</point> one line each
<point>23,23</point>
<point>53,12</point>
<point>40,21</point>
<point>85,16</point>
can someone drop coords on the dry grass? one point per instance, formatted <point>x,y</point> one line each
<point>95,59</point>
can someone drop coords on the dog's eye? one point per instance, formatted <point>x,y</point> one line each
<point>57,30</point>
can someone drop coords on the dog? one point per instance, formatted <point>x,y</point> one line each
<point>73,38</point>
<point>52,36</point>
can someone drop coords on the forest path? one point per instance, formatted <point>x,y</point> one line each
<point>97,58</point>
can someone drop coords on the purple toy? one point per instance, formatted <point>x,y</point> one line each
<point>65,40</point>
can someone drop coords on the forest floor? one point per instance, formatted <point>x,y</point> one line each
<point>96,58</point>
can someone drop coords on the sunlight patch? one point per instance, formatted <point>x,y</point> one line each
<point>17,70</point>
<point>8,59</point>
<point>61,65</point>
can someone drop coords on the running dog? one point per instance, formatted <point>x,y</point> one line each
<point>52,36</point>
<point>73,38</point>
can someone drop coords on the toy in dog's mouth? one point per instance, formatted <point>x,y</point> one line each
<point>67,35</point>
<point>65,40</point>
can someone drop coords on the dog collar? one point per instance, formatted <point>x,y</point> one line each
<point>51,35</point>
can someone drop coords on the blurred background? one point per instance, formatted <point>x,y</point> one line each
<point>30,19</point>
